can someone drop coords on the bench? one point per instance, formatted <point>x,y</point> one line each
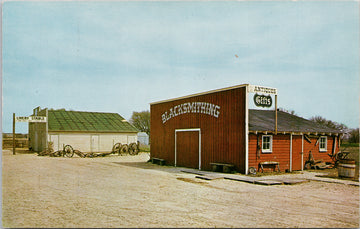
<point>221,167</point>
<point>159,161</point>
<point>273,164</point>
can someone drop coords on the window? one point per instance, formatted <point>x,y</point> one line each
<point>323,144</point>
<point>267,143</point>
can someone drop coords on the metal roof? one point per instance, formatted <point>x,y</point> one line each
<point>264,120</point>
<point>80,121</point>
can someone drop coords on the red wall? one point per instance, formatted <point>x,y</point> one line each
<point>281,150</point>
<point>222,138</point>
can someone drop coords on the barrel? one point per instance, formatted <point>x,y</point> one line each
<point>346,168</point>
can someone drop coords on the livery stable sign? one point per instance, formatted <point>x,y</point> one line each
<point>31,119</point>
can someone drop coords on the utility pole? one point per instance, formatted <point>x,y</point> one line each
<point>13,133</point>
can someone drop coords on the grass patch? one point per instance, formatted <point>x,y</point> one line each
<point>144,148</point>
<point>346,144</point>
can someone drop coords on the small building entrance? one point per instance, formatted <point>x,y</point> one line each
<point>188,148</point>
<point>94,143</point>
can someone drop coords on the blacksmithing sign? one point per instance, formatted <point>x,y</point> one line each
<point>262,100</point>
<point>192,107</point>
<point>31,119</point>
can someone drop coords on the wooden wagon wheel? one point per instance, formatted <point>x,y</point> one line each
<point>252,170</point>
<point>116,148</point>
<point>338,156</point>
<point>133,149</point>
<point>124,149</point>
<point>68,151</point>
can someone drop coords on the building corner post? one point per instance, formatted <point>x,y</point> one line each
<point>291,151</point>
<point>246,129</point>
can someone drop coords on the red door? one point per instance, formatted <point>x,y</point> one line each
<point>296,152</point>
<point>187,149</point>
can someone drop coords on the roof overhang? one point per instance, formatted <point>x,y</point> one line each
<point>92,132</point>
<point>294,133</point>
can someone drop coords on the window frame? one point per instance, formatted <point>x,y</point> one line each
<point>270,144</point>
<point>323,149</point>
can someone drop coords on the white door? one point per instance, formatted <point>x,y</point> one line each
<point>54,138</point>
<point>94,143</point>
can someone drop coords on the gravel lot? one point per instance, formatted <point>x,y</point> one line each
<point>125,191</point>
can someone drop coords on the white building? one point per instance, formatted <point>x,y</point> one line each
<point>84,131</point>
<point>143,138</point>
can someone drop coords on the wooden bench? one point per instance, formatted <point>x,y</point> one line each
<point>159,161</point>
<point>273,164</point>
<point>221,167</point>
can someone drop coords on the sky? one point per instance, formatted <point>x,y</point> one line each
<point>119,56</point>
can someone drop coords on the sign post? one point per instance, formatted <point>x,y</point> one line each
<point>276,114</point>
<point>13,133</point>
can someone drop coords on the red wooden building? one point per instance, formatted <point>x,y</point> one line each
<point>218,127</point>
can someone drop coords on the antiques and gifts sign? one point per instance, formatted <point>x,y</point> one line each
<point>261,100</point>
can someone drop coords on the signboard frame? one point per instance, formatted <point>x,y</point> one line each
<point>30,119</point>
<point>265,90</point>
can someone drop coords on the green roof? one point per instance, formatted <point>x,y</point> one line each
<point>62,120</point>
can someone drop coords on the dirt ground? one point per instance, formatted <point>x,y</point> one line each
<point>126,191</point>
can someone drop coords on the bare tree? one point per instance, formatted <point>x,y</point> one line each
<point>287,111</point>
<point>141,120</point>
<point>354,136</point>
<point>323,121</point>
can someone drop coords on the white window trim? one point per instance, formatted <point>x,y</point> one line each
<point>323,149</point>
<point>262,144</point>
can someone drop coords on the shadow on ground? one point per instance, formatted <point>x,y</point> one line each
<point>149,165</point>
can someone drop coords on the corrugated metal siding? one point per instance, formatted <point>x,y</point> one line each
<point>222,138</point>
